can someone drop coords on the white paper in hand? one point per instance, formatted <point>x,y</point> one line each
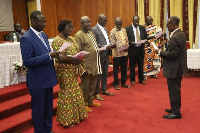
<point>80,54</point>
<point>123,48</point>
<point>158,35</point>
<point>141,41</point>
<point>103,48</point>
<point>64,46</point>
<point>155,47</point>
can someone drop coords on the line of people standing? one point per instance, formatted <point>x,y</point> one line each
<point>74,100</point>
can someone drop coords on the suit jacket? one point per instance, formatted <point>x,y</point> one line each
<point>41,72</point>
<point>131,37</point>
<point>175,56</point>
<point>101,41</point>
<point>10,36</point>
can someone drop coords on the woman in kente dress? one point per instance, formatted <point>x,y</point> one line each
<point>71,105</point>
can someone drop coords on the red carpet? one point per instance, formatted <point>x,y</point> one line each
<point>140,110</point>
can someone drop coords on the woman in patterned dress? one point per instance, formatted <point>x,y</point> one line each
<point>71,105</point>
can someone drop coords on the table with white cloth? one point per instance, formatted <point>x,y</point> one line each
<point>193,59</point>
<point>9,53</point>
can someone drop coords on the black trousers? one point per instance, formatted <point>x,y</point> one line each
<point>139,58</point>
<point>120,62</point>
<point>174,87</point>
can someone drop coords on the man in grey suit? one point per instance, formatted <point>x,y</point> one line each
<point>101,34</point>
<point>174,66</point>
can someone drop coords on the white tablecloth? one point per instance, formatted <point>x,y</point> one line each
<point>193,58</point>
<point>9,53</point>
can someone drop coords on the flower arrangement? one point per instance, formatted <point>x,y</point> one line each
<point>19,67</point>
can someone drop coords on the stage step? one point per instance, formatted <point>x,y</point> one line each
<point>19,104</point>
<point>15,112</point>
<point>20,121</point>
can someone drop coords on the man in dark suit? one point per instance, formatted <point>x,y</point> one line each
<point>136,33</point>
<point>41,76</point>
<point>18,33</point>
<point>174,66</point>
<point>101,34</point>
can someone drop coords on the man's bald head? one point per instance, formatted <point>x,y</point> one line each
<point>118,19</point>
<point>85,24</point>
<point>84,18</point>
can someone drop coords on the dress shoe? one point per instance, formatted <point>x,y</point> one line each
<point>168,110</point>
<point>107,93</point>
<point>173,116</point>
<point>94,105</point>
<point>116,87</point>
<point>154,76</point>
<point>125,86</point>
<point>98,97</point>
<point>89,110</point>
<point>49,132</point>
<point>133,83</point>
<point>142,82</point>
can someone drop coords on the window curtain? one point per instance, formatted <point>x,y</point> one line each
<point>190,20</point>
<point>141,11</point>
<point>6,16</point>
<point>176,9</point>
<point>197,38</point>
<point>154,11</point>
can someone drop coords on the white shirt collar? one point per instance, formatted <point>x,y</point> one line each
<point>35,31</point>
<point>173,32</point>
<point>134,26</point>
<point>101,27</point>
<point>104,33</point>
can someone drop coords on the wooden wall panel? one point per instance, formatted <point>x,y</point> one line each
<point>19,15</point>
<point>55,10</point>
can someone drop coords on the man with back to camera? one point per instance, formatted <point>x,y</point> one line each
<point>174,66</point>
<point>41,75</point>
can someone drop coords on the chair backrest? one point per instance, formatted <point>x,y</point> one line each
<point>187,45</point>
<point>5,37</point>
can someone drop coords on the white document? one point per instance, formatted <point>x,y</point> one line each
<point>158,35</point>
<point>123,48</point>
<point>64,46</point>
<point>103,48</point>
<point>155,47</point>
<point>141,41</point>
<point>80,54</point>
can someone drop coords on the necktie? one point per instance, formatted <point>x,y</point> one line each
<point>42,39</point>
<point>137,35</point>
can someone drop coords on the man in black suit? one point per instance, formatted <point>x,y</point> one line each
<point>136,33</point>
<point>174,66</point>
